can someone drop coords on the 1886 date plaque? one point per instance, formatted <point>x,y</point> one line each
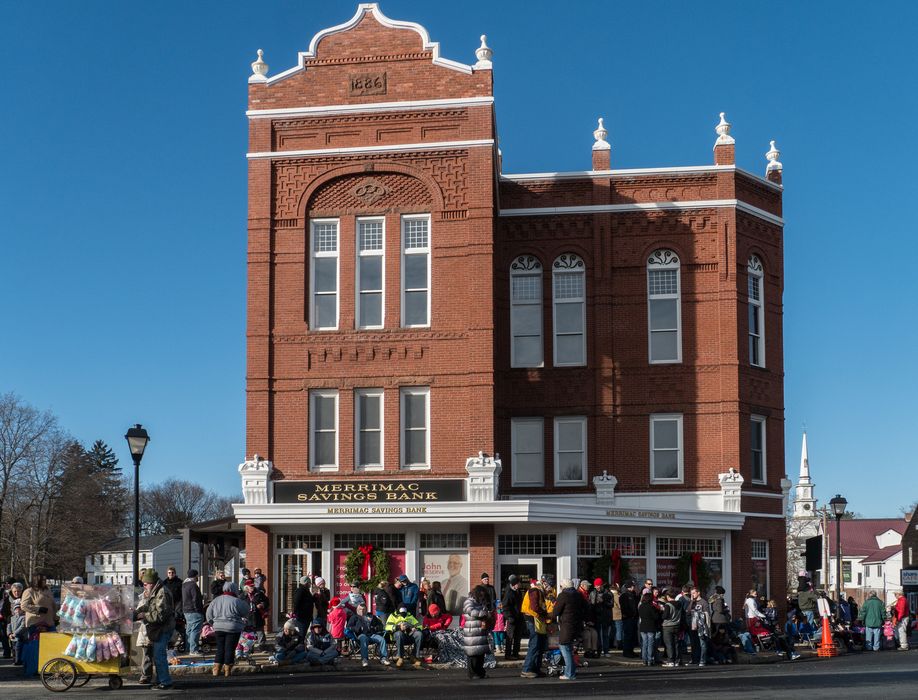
<point>360,84</point>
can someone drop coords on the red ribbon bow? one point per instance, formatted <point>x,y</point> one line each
<point>366,550</point>
<point>695,558</point>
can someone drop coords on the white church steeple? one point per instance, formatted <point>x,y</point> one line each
<point>804,501</point>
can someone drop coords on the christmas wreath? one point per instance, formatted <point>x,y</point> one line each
<point>367,564</point>
<point>606,563</point>
<point>691,567</point>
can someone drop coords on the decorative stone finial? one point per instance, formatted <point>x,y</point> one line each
<point>723,132</point>
<point>773,163</point>
<point>600,134</point>
<point>259,69</point>
<point>483,53</point>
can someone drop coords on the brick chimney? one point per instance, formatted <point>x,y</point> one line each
<point>602,151</point>
<point>725,145</point>
<point>774,168</point>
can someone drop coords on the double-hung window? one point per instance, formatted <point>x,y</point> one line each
<point>368,422</point>
<point>323,273</point>
<point>415,270</point>
<point>526,312</point>
<point>323,430</point>
<point>756,313</point>
<point>370,271</point>
<point>757,444</point>
<point>569,310</point>
<point>666,458</point>
<point>664,314</point>
<point>415,422</point>
<point>527,437</point>
<point>570,450</point>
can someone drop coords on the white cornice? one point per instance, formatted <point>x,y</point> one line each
<point>394,148</point>
<point>406,105</point>
<point>646,206</point>
<point>372,8</point>
<point>514,511</point>
<point>639,172</point>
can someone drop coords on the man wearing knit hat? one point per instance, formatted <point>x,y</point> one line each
<point>492,594</point>
<point>158,614</point>
<point>601,603</point>
<point>193,610</point>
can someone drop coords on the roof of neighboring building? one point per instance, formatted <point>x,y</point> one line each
<point>859,535</point>
<point>882,555</point>
<point>126,544</point>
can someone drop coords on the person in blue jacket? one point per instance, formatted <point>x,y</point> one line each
<point>409,592</point>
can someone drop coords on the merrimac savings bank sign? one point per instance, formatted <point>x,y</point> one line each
<point>374,491</point>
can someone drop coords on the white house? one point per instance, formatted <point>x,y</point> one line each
<point>114,562</point>
<point>871,551</point>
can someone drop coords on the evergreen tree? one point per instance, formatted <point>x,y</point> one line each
<point>102,459</point>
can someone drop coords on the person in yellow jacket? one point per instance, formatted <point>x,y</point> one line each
<point>537,617</point>
<point>403,625</point>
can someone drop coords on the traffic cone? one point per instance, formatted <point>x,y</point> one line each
<point>827,647</point>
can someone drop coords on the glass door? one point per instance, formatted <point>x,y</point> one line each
<point>526,569</point>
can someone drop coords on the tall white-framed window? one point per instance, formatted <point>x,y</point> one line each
<point>760,566</point>
<point>526,312</point>
<point>569,310</point>
<point>414,409</point>
<point>415,270</point>
<point>570,450</point>
<point>527,443</point>
<point>666,453</point>
<point>371,234</point>
<point>664,308</point>
<point>757,446</point>
<point>323,274</point>
<point>756,275</point>
<point>323,430</point>
<point>368,426</point>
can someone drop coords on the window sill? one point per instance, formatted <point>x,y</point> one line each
<point>570,484</point>
<point>666,482</point>
<point>320,470</point>
<point>416,468</point>
<point>665,362</point>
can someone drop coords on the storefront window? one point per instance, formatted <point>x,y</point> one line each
<point>444,558</point>
<point>297,555</point>
<point>592,547</point>
<point>670,549</point>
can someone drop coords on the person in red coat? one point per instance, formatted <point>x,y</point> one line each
<point>902,619</point>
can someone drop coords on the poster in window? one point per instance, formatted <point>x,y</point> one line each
<point>451,570</point>
<point>760,576</point>
<point>666,573</point>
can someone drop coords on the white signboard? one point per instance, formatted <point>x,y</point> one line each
<point>910,577</point>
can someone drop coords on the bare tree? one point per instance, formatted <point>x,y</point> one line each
<point>175,503</point>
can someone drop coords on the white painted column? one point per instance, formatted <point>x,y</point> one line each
<point>728,569</point>
<point>651,559</point>
<point>328,544</point>
<point>412,567</point>
<point>567,553</point>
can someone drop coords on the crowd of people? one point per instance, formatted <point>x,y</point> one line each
<point>410,625</point>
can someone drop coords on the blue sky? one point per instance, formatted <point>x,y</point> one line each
<point>123,195</point>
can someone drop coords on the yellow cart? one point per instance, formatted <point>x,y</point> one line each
<point>60,673</point>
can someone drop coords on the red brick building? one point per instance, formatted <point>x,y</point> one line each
<point>610,340</point>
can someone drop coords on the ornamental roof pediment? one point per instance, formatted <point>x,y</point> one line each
<point>367,35</point>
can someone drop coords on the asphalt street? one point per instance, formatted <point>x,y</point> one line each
<point>889,675</point>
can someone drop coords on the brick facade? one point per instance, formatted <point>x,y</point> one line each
<point>421,140</point>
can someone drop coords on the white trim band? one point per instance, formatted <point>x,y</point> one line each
<point>369,107</point>
<point>637,172</point>
<point>394,148</point>
<point>646,206</point>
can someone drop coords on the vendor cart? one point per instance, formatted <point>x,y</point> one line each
<point>60,672</point>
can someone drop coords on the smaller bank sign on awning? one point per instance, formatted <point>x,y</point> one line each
<point>377,491</point>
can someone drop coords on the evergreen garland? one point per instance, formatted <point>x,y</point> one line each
<point>602,568</point>
<point>379,568</point>
<point>684,572</point>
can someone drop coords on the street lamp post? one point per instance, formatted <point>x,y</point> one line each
<point>838,505</point>
<point>137,439</point>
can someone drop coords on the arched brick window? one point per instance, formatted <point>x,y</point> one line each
<point>526,312</point>
<point>664,312</point>
<point>569,310</point>
<point>756,312</point>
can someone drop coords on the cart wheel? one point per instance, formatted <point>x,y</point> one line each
<point>82,680</point>
<point>115,682</point>
<point>58,675</point>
